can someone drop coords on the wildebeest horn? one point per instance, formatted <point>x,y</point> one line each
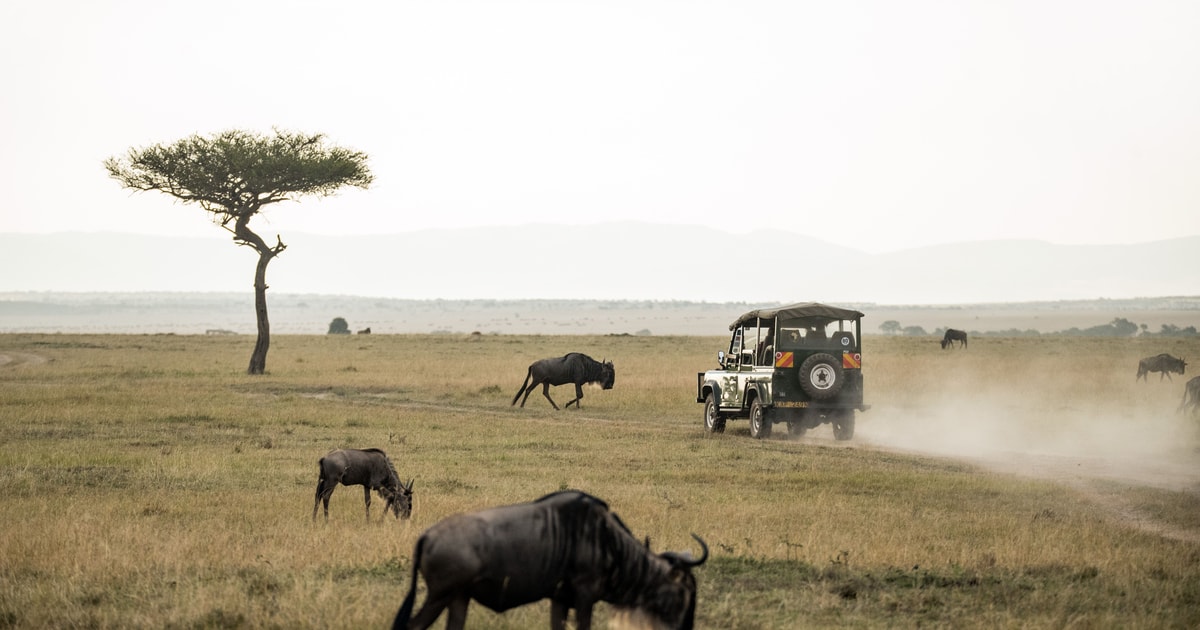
<point>685,559</point>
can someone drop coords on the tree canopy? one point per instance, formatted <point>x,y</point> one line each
<point>235,174</point>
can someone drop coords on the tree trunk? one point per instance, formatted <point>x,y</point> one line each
<point>258,360</point>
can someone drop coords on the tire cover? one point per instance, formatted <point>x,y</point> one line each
<point>821,376</point>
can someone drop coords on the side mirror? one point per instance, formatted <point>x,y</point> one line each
<point>721,358</point>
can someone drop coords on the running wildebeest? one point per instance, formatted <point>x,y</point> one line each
<point>566,546</point>
<point>369,468</point>
<point>1191,396</point>
<point>572,368</point>
<point>953,335</point>
<point>1163,363</point>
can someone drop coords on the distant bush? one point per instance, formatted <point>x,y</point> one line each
<point>1119,327</point>
<point>1170,330</point>
<point>1011,332</point>
<point>339,327</point>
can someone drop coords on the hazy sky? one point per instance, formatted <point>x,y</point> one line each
<point>880,125</point>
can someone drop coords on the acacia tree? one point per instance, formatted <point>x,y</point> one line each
<point>233,175</point>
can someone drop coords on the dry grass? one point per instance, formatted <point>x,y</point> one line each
<point>147,482</point>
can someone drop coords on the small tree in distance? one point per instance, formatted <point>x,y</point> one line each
<point>234,175</point>
<point>338,327</point>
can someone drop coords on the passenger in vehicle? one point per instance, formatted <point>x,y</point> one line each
<point>766,349</point>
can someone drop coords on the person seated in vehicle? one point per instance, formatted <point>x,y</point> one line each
<point>766,349</point>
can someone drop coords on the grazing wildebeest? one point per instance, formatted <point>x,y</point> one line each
<point>566,546</point>
<point>1163,363</point>
<point>572,368</point>
<point>1191,395</point>
<point>953,335</point>
<point>369,468</point>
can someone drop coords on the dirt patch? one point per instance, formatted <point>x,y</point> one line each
<point>13,359</point>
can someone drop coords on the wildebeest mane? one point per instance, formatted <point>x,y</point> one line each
<point>626,560</point>
<point>390,465</point>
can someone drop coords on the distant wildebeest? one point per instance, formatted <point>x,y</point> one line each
<point>369,468</point>
<point>365,331</point>
<point>572,368</point>
<point>1191,395</point>
<point>953,335</point>
<point>566,546</point>
<point>1163,363</point>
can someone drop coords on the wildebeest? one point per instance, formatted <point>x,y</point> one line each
<point>953,335</point>
<point>1191,395</point>
<point>1163,363</point>
<point>566,546</point>
<point>571,368</point>
<point>369,468</point>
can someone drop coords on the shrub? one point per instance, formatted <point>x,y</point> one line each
<point>339,327</point>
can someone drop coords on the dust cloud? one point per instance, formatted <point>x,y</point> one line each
<point>1036,436</point>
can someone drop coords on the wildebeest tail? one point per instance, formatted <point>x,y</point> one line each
<point>528,375</point>
<point>320,476</point>
<point>405,612</point>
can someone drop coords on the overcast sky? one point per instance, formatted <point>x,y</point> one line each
<point>878,125</point>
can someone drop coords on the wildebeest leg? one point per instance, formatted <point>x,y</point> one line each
<point>558,615</point>
<point>583,615</point>
<point>317,499</point>
<point>456,616</point>
<point>529,391</point>
<point>367,500</point>
<point>434,605</point>
<point>578,395</point>
<point>525,388</point>
<point>324,491</point>
<point>546,393</point>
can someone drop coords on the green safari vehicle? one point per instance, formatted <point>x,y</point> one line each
<point>800,365</point>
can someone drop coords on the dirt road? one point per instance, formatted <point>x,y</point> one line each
<point>1103,462</point>
<point>13,359</point>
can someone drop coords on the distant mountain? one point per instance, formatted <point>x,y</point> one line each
<point>612,261</point>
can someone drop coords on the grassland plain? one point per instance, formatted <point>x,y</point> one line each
<point>146,481</point>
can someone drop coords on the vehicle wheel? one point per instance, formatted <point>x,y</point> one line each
<point>714,422</point>
<point>797,429</point>
<point>821,376</point>
<point>843,425</point>
<point>760,425</point>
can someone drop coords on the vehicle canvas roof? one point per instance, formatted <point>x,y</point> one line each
<point>803,309</point>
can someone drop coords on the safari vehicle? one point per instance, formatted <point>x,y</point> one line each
<point>799,364</point>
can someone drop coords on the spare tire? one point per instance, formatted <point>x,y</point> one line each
<point>821,376</point>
